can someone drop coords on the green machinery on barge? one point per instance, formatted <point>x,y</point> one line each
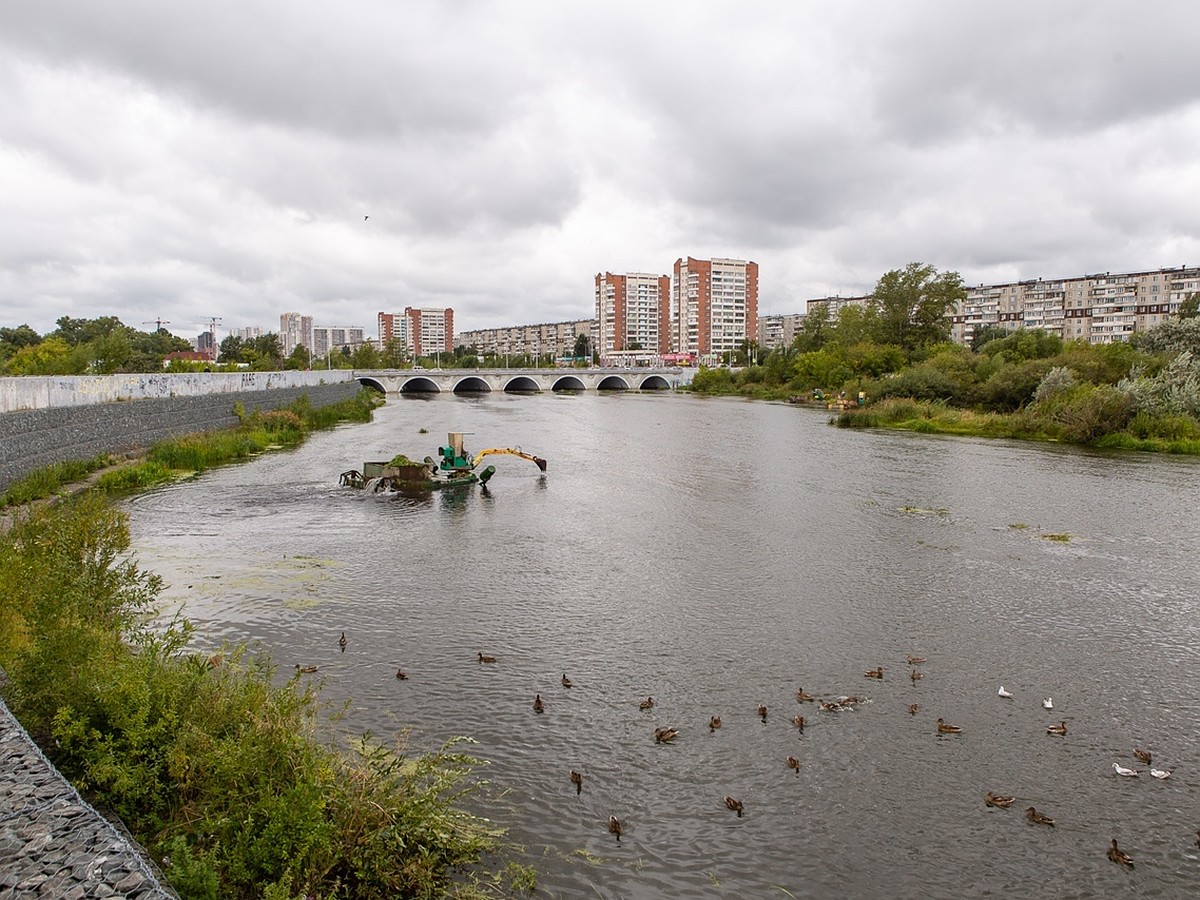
<point>453,468</point>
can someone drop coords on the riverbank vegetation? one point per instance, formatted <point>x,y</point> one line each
<point>214,762</point>
<point>172,458</point>
<point>1029,385</point>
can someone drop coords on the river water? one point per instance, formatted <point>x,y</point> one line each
<point>717,555</point>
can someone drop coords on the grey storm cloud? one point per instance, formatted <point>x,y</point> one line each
<point>187,160</point>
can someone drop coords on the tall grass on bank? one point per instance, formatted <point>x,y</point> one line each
<point>49,480</point>
<point>256,433</point>
<point>928,417</point>
<point>212,762</point>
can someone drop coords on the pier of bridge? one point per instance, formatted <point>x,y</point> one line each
<point>461,381</point>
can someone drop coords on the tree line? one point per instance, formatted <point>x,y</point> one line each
<point>897,347</point>
<point>106,346</point>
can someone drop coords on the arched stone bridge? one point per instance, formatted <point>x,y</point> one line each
<point>519,381</point>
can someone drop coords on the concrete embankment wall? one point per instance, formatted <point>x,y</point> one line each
<point>35,437</point>
<point>53,391</point>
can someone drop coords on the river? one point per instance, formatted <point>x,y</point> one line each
<point>719,554</point>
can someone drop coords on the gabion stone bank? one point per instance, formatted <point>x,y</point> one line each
<point>52,843</point>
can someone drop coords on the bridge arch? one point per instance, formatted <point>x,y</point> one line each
<point>420,385</point>
<point>654,383</point>
<point>568,383</point>
<point>522,384</point>
<point>374,384</point>
<point>472,384</point>
<point>612,383</point>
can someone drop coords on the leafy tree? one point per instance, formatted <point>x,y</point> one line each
<point>81,331</point>
<point>299,358</point>
<point>21,336</point>
<point>854,325</point>
<point>815,330</point>
<point>111,352</point>
<point>264,353</point>
<point>149,349</point>
<point>1013,386</point>
<point>1190,307</point>
<point>53,356</point>
<point>1057,380</point>
<point>366,356</point>
<point>1172,336</point>
<point>581,346</point>
<point>913,303</point>
<point>871,359</point>
<point>232,349</point>
<point>394,353</point>
<point>985,334</point>
<point>1021,345</point>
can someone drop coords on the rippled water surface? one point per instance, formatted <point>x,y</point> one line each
<point>719,554</point>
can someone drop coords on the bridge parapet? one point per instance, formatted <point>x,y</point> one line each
<point>435,381</point>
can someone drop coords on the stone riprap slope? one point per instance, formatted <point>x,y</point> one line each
<point>52,843</point>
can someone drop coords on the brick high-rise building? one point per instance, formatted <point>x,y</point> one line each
<point>422,332</point>
<point>714,306</point>
<point>632,313</point>
<point>431,330</point>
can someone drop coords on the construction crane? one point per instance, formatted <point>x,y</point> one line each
<point>213,322</point>
<point>157,323</point>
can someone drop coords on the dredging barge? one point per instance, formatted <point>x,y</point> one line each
<point>453,469</point>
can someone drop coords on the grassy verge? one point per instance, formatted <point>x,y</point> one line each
<point>938,418</point>
<point>213,762</point>
<point>256,433</point>
<point>49,480</point>
<point>1176,434</point>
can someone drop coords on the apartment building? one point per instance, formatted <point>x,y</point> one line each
<point>835,304</point>
<point>1100,308</point>
<point>421,332</point>
<point>778,331</point>
<point>557,338</point>
<point>632,313</point>
<point>332,338</point>
<point>714,306</point>
<point>393,330</point>
<point>295,330</point>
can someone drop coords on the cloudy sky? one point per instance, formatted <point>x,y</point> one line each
<point>232,158</point>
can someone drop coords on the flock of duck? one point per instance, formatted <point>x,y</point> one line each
<point>667,734</point>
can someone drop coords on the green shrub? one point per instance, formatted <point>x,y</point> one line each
<point>1087,412</point>
<point>211,762</point>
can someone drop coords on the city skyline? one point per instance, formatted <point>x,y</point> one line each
<point>491,159</point>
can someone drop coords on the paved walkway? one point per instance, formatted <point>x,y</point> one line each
<point>52,843</point>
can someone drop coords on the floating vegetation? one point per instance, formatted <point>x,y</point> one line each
<point>1061,536</point>
<point>423,431</point>
<point>1018,526</point>
<point>922,511</point>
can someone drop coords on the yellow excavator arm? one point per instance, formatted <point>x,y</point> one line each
<point>508,451</point>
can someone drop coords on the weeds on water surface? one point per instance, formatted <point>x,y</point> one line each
<point>212,761</point>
